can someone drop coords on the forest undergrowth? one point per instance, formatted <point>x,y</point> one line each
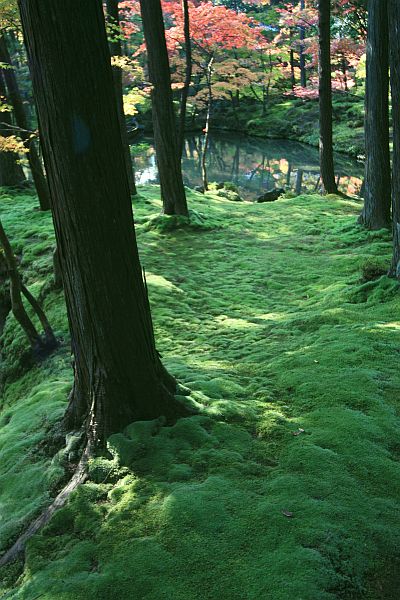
<point>286,484</point>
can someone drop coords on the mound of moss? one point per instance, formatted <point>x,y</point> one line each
<point>286,483</point>
<point>296,118</point>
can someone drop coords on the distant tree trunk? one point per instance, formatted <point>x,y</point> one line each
<point>394,20</point>
<point>188,76</point>
<point>17,289</point>
<point>292,72</point>
<point>344,71</point>
<point>235,109</point>
<point>302,58</point>
<point>325,98</point>
<point>11,172</point>
<point>116,50</point>
<point>14,96</point>
<point>118,373</point>
<point>207,126</point>
<point>299,181</point>
<point>164,122</point>
<point>376,211</point>
<point>288,174</point>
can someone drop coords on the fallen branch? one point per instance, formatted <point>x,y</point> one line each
<point>16,128</point>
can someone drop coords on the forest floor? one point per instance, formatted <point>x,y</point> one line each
<point>286,485</point>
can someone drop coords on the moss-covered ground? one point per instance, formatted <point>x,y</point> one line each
<point>286,485</point>
<point>295,118</point>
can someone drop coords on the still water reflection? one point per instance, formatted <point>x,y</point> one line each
<point>254,165</point>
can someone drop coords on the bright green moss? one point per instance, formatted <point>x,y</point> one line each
<point>287,482</point>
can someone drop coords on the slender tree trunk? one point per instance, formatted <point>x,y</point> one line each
<point>207,126</point>
<point>394,20</point>
<point>302,58</point>
<point>376,211</point>
<point>299,181</point>
<point>116,50</point>
<point>344,71</point>
<point>289,174</point>
<point>11,173</point>
<point>235,110</point>
<point>292,72</point>
<point>14,96</point>
<point>118,373</point>
<point>188,76</point>
<point>325,99</point>
<point>17,288</point>
<point>164,122</point>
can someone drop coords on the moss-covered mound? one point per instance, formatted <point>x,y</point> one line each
<point>287,482</point>
<point>293,118</point>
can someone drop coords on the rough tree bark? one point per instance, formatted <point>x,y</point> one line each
<point>325,98</point>
<point>164,122</point>
<point>11,173</point>
<point>116,50</point>
<point>394,20</point>
<point>14,97</point>
<point>376,211</point>
<point>118,374</point>
<point>188,77</point>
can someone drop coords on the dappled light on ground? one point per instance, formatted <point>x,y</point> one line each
<point>286,483</point>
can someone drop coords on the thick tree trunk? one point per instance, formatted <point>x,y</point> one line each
<point>188,77</point>
<point>394,20</point>
<point>116,50</point>
<point>14,96</point>
<point>325,98</point>
<point>164,122</point>
<point>118,373</point>
<point>376,211</point>
<point>11,173</point>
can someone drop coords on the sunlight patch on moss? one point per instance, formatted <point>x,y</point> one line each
<point>286,484</point>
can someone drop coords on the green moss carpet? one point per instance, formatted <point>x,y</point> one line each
<point>286,484</point>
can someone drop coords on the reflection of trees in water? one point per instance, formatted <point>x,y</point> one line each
<point>258,165</point>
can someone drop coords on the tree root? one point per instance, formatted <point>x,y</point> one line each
<point>79,477</point>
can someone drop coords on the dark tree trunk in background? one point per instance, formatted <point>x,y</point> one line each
<point>394,20</point>
<point>302,58</point>
<point>376,211</point>
<point>325,98</point>
<point>299,181</point>
<point>11,172</point>
<point>116,50</point>
<point>344,71</point>
<point>292,71</point>
<point>14,97</point>
<point>118,373</point>
<point>164,122</point>
<point>188,76</point>
<point>291,61</point>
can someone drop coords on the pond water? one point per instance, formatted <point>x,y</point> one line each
<point>254,165</point>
